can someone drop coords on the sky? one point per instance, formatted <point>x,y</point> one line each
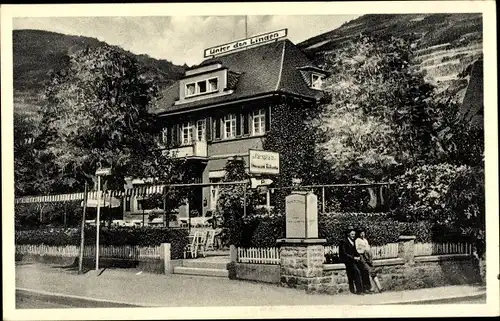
<point>182,39</point>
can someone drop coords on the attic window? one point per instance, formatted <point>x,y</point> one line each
<point>317,81</point>
<point>202,87</point>
<point>213,84</point>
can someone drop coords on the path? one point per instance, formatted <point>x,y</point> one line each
<point>144,289</point>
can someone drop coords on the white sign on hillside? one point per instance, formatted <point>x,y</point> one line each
<point>239,44</point>
<point>263,162</point>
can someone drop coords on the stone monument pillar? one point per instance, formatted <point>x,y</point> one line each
<point>301,252</point>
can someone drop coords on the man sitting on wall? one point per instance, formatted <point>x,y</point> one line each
<point>351,258</point>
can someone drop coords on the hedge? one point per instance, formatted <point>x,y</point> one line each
<point>117,236</point>
<point>380,230</point>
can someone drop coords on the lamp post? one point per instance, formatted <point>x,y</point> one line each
<point>100,172</point>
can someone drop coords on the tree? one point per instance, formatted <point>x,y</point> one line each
<point>24,155</point>
<point>380,116</point>
<point>97,114</point>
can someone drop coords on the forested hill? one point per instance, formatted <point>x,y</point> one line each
<point>446,43</point>
<point>37,52</point>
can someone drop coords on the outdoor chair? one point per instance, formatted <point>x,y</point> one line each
<point>210,243</point>
<point>192,247</point>
<point>202,239</point>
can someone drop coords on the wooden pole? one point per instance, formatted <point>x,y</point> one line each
<point>165,223</point>
<point>65,215</point>
<point>82,232</point>
<point>246,27</point>
<point>98,219</point>
<point>143,217</point>
<point>244,200</point>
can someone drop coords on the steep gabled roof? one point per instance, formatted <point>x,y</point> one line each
<point>256,71</point>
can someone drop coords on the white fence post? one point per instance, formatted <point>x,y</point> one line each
<point>166,256</point>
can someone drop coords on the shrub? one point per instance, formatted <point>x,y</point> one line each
<point>422,192</point>
<point>268,231</point>
<point>117,236</point>
<point>466,202</point>
<point>380,230</point>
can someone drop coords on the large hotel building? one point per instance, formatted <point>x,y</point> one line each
<point>223,108</point>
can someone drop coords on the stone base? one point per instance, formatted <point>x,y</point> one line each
<point>301,262</point>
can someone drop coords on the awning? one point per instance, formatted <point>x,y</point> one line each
<point>105,202</point>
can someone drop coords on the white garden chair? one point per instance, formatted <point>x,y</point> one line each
<point>210,242</point>
<point>192,247</point>
<point>202,239</point>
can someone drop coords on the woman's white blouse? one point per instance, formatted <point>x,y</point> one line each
<point>362,245</point>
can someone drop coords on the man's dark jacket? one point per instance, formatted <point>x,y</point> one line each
<point>347,252</point>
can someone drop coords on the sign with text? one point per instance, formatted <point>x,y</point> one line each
<point>240,44</point>
<point>263,162</point>
<point>254,182</point>
<point>301,215</point>
<point>103,171</point>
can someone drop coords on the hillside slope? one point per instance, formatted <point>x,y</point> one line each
<point>446,44</point>
<point>37,52</point>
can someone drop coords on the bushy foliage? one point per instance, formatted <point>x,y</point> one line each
<point>231,202</point>
<point>268,231</point>
<point>423,192</point>
<point>465,202</point>
<point>117,236</point>
<point>381,109</point>
<point>380,229</point>
<point>54,214</point>
<point>28,215</point>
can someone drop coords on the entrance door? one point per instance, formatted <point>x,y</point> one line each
<point>196,201</point>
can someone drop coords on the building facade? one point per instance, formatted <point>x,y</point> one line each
<point>223,108</point>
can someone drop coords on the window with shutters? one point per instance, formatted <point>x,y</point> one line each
<point>230,126</point>
<point>244,123</point>
<point>216,128</point>
<point>175,135</point>
<point>127,204</point>
<point>259,122</point>
<point>201,130</point>
<point>187,133</point>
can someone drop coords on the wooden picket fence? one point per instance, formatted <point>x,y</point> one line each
<point>428,249</point>
<point>66,251</point>
<point>270,255</point>
<point>388,251</point>
<point>122,252</point>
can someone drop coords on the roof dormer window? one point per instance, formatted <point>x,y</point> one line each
<point>213,84</point>
<point>202,87</point>
<point>316,81</point>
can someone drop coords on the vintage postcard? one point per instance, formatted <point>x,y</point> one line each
<point>246,160</point>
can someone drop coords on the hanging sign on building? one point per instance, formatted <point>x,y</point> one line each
<point>240,44</point>
<point>263,162</point>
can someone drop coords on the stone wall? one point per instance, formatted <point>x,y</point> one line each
<point>267,273</point>
<point>302,268</point>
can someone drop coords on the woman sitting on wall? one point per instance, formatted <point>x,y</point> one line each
<point>367,271</point>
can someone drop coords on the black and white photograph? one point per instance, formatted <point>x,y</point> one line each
<point>237,161</point>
